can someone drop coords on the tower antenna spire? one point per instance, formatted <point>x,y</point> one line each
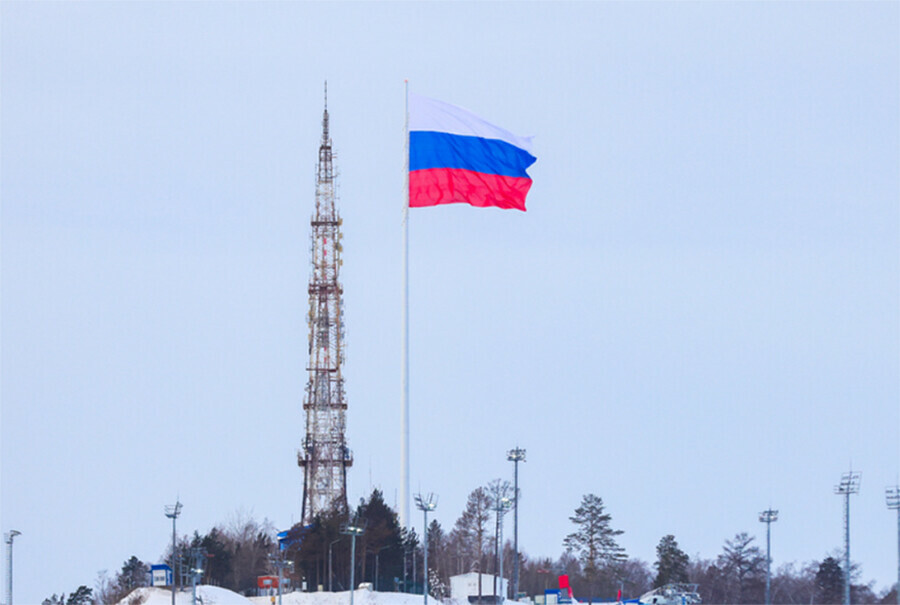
<point>326,141</point>
<point>324,455</point>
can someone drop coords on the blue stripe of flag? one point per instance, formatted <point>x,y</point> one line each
<point>429,149</point>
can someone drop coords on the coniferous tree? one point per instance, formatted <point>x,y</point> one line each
<point>381,545</point>
<point>412,560</point>
<point>437,551</point>
<point>82,596</point>
<point>829,582</point>
<point>218,560</point>
<point>671,562</point>
<point>594,541</point>
<point>134,574</point>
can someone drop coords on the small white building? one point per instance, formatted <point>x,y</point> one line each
<point>466,585</point>
<point>160,575</point>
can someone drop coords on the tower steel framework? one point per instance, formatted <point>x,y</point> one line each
<point>324,455</point>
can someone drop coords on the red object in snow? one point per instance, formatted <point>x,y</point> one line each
<point>564,584</point>
<point>267,581</point>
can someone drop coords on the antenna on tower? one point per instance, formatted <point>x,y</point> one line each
<point>325,138</point>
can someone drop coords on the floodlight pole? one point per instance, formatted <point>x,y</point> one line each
<point>425,504</point>
<point>849,485</point>
<point>352,531</point>
<point>768,517</point>
<point>172,512</point>
<point>892,495</point>
<point>515,456</point>
<point>9,559</point>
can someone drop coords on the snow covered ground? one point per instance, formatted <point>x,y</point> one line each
<point>213,595</point>
<point>360,597</point>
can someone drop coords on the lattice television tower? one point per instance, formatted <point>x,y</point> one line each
<point>324,455</point>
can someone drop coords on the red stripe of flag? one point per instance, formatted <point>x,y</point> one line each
<point>436,186</point>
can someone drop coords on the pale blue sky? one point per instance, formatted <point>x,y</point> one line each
<point>696,319</point>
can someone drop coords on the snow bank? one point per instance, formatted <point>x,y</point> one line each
<point>211,595</point>
<point>360,597</point>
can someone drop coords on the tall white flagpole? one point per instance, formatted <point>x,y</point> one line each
<point>404,456</point>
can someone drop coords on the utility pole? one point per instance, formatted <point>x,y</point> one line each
<point>9,559</point>
<point>516,456</point>
<point>425,504</point>
<point>892,495</point>
<point>172,512</point>
<point>849,485</point>
<point>768,517</point>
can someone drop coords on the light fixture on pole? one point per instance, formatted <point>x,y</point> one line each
<point>353,531</point>
<point>425,504</point>
<point>9,559</point>
<point>849,485</point>
<point>892,496</point>
<point>768,517</point>
<point>172,512</point>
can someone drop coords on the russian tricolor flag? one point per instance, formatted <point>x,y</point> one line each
<point>457,157</point>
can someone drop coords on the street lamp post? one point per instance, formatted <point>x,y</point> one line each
<point>767,517</point>
<point>892,495</point>
<point>353,531</point>
<point>9,559</point>
<point>849,485</point>
<point>516,456</point>
<point>425,504</point>
<point>500,508</point>
<point>377,556</point>
<point>330,570</point>
<point>172,512</point>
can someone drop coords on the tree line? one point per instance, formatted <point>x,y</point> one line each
<point>390,558</point>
